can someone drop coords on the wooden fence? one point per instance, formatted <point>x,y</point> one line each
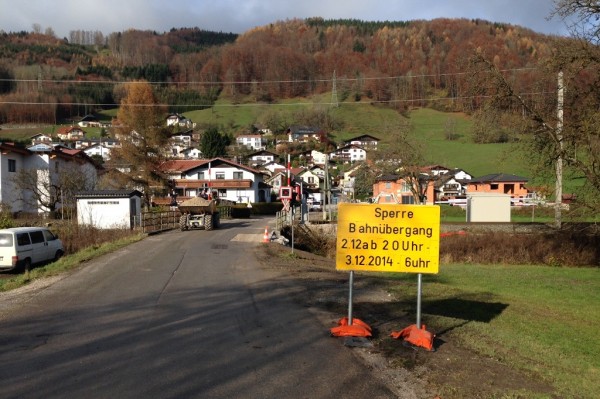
<point>153,222</point>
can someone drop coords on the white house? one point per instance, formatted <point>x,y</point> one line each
<point>318,158</point>
<point>311,178</point>
<point>228,179</point>
<point>190,153</point>
<point>304,133</point>
<point>364,141</point>
<point>109,209</point>
<point>106,142</point>
<point>98,149</point>
<point>48,165</point>
<point>70,133</point>
<point>253,141</point>
<point>271,167</point>
<point>350,153</point>
<point>262,157</point>
<point>41,138</point>
<point>179,120</point>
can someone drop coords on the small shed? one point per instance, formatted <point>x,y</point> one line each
<point>488,207</point>
<point>109,209</point>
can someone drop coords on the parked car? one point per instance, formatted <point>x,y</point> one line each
<point>21,247</point>
<point>314,206</point>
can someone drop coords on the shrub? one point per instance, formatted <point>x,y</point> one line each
<point>556,248</point>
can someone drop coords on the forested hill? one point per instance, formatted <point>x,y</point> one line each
<point>378,61</point>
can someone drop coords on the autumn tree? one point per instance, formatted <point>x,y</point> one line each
<point>143,135</point>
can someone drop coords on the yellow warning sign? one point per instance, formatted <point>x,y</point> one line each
<point>388,238</point>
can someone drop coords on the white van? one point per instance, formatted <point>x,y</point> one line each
<point>22,247</point>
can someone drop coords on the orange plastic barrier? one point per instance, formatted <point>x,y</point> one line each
<point>453,233</point>
<point>266,237</point>
<point>358,328</point>
<point>416,336</point>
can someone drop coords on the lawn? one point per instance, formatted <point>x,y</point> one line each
<point>543,321</point>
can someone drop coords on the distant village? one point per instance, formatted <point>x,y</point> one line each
<point>256,178</point>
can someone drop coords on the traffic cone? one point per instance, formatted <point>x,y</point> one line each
<point>266,237</point>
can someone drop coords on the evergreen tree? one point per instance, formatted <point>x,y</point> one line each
<point>214,144</point>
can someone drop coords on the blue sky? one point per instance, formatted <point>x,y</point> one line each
<point>239,16</point>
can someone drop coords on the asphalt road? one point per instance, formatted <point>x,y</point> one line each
<point>177,315</point>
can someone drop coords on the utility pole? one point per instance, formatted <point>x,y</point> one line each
<point>334,97</point>
<point>559,159</point>
<point>325,197</point>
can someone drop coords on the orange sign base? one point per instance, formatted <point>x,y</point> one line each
<point>416,336</point>
<point>358,328</point>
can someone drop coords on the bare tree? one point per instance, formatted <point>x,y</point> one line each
<point>50,190</point>
<point>404,157</point>
<point>552,140</point>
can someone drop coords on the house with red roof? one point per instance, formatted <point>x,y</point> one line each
<point>226,179</point>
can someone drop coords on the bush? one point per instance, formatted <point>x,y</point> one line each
<point>240,212</point>
<point>266,208</point>
<point>558,248</point>
<point>76,237</point>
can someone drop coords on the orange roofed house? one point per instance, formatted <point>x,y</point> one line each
<point>500,183</point>
<point>395,189</point>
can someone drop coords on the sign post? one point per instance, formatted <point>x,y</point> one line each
<point>389,238</point>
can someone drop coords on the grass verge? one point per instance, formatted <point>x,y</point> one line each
<point>68,262</point>
<point>542,321</point>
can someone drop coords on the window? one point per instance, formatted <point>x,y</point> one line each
<point>200,176</point>
<point>6,240</point>
<point>388,184</point>
<point>222,193</point>
<point>311,180</point>
<point>238,175</point>
<point>49,236</point>
<point>23,239</point>
<point>493,186</point>
<point>12,165</point>
<point>408,199</point>
<point>37,237</point>
<point>220,176</point>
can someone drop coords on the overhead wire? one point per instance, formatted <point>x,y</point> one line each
<point>257,104</point>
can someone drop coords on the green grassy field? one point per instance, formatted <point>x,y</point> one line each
<point>427,125</point>
<point>544,321</point>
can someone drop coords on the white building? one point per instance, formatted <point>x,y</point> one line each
<point>262,157</point>
<point>109,209</point>
<point>350,153</point>
<point>98,149</point>
<point>253,141</point>
<point>230,180</point>
<point>47,165</point>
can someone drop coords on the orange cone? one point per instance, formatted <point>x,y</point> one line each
<point>266,237</point>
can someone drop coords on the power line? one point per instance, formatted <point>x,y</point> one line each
<point>244,82</point>
<point>412,100</point>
